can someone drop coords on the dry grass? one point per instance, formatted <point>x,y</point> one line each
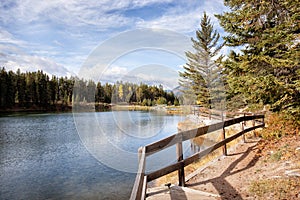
<point>173,177</point>
<point>277,126</point>
<point>130,108</point>
<point>278,152</point>
<point>280,188</point>
<point>203,161</point>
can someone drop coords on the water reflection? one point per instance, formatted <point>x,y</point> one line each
<point>42,156</point>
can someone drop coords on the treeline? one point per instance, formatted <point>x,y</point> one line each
<point>38,90</point>
<point>265,71</point>
<point>261,72</point>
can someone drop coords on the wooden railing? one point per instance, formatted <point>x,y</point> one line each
<point>140,185</point>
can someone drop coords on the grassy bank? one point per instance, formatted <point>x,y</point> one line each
<point>93,107</point>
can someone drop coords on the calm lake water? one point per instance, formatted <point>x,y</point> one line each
<point>44,157</point>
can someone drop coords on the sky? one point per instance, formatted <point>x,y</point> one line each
<point>59,36</point>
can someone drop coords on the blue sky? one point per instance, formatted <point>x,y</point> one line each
<point>58,36</point>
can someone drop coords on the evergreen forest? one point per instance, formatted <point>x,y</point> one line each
<point>36,90</point>
<point>262,70</point>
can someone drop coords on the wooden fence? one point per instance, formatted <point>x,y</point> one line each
<point>140,185</point>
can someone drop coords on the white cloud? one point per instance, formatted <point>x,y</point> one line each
<point>60,32</point>
<point>153,74</point>
<point>115,70</point>
<point>58,43</point>
<point>13,58</point>
<point>33,63</point>
<point>168,83</point>
<point>186,22</point>
<point>142,3</point>
<point>73,12</point>
<point>186,18</point>
<point>6,37</point>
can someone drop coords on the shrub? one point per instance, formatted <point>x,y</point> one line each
<point>278,125</point>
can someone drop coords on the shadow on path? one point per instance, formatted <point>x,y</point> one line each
<point>224,188</point>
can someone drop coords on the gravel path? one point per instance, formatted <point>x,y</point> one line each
<point>231,176</point>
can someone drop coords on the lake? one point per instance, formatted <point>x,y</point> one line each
<point>44,157</point>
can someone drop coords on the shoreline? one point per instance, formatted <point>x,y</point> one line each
<point>91,107</point>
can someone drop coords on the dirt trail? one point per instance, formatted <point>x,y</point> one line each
<point>249,165</point>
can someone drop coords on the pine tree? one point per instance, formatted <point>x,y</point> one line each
<point>108,91</point>
<point>3,87</point>
<point>20,87</point>
<point>201,73</point>
<point>53,89</point>
<point>266,71</point>
<point>11,89</point>
<point>91,90</point>
<point>99,95</point>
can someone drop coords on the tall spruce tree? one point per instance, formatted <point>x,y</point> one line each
<point>266,71</point>
<point>201,76</point>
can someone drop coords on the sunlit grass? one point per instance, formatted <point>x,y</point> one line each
<point>279,188</point>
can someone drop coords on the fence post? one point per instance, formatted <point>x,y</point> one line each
<point>243,128</point>
<point>179,152</point>
<point>253,124</point>
<point>144,189</point>
<point>224,148</point>
<point>140,150</point>
<point>140,184</point>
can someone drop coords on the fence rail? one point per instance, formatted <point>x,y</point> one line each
<point>140,185</point>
